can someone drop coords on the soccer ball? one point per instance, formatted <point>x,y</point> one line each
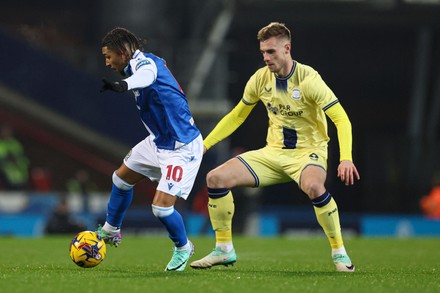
<point>87,249</point>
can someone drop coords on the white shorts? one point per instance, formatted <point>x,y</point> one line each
<point>175,170</point>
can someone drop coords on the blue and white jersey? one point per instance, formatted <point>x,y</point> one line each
<point>162,104</point>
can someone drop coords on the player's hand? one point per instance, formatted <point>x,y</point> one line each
<point>347,172</point>
<point>204,150</point>
<point>116,86</point>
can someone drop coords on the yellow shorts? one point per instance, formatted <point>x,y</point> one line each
<point>271,166</point>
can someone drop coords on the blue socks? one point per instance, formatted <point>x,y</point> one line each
<point>118,204</point>
<point>173,222</point>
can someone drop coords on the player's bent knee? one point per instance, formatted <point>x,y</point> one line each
<point>119,183</point>
<point>162,212</point>
<point>216,179</point>
<point>313,189</point>
<point>212,178</point>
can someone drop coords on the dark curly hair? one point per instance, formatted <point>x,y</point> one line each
<point>122,40</point>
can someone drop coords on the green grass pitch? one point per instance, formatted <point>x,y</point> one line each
<point>264,265</point>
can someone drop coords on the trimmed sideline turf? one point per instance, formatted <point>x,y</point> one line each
<point>264,265</point>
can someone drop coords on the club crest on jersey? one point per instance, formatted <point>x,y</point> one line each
<point>313,156</point>
<point>296,94</point>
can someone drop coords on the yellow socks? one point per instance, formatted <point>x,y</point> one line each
<point>327,214</point>
<point>221,210</point>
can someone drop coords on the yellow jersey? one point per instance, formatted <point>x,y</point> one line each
<point>295,106</point>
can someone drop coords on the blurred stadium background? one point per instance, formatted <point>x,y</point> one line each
<point>381,58</point>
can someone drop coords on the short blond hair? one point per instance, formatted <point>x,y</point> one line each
<point>274,29</point>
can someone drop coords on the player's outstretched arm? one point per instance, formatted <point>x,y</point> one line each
<point>347,172</point>
<point>228,124</point>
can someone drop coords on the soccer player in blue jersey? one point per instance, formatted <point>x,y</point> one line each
<point>297,102</point>
<point>172,152</point>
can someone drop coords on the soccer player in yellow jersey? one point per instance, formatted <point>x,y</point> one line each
<point>297,102</point>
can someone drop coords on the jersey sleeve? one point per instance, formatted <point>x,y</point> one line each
<point>343,125</point>
<point>229,123</point>
<point>251,93</point>
<point>144,73</point>
<point>318,90</point>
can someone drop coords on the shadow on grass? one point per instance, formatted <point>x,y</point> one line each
<point>216,273</point>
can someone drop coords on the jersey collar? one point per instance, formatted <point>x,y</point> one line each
<point>290,73</point>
